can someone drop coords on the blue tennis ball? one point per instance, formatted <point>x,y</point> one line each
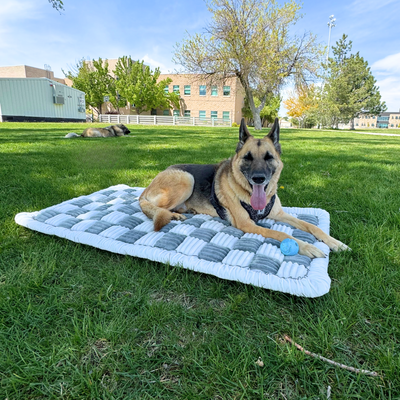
<point>289,247</point>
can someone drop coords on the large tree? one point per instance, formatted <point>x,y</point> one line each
<point>302,105</point>
<point>115,97</point>
<point>350,88</point>
<point>94,79</point>
<point>137,83</point>
<point>250,39</point>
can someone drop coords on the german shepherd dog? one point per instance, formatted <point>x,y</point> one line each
<point>109,131</point>
<point>241,190</point>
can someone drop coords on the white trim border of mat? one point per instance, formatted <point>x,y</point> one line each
<point>314,284</point>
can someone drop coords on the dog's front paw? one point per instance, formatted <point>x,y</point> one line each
<point>336,245</point>
<point>178,217</point>
<point>309,250</point>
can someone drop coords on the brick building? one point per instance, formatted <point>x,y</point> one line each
<point>198,99</point>
<point>25,71</point>
<point>386,120</point>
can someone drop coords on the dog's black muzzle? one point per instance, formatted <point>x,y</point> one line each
<point>259,179</point>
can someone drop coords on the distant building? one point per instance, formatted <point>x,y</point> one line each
<point>198,99</point>
<point>386,120</point>
<point>284,124</point>
<point>35,94</point>
<point>25,71</point>
<point>40,99</point>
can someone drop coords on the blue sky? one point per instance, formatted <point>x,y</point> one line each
<point>33,33</point>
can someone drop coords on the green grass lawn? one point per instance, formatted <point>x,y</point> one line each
<point>378,130</point>
<point>81,323</point>
<point>370,130</point>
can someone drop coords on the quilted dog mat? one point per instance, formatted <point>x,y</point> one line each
<point>111,219</point>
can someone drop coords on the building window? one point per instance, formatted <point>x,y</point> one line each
<point>153,111</point>
<point>227,90</point>
<point>165,112</point>
<point>372,124</point>
<point>187,90</point>
<point>214,114</point>
<point>202,90</point>
<point>202,114</point>
<point>391,125</point>
<point>187,112</point>
<point>176,113</point>
<point>166,89</point>
<point>176,89</point>
<point>214,91</point>
<point>396,116</point>
<point>225,114</point>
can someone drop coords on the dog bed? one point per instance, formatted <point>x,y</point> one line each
<point>111,219</point>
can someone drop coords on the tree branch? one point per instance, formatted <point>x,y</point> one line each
<point>352,369</point>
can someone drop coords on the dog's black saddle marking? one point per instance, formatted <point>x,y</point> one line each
<point>216,204</point>
<point>254,214</point>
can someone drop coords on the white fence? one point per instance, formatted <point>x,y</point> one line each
<point>163,120</point>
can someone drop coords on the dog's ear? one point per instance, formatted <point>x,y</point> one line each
<point>274,135</point>
<point>244,134</point>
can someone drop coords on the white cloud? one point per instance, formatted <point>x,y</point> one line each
<point>157,64</point>
<point>387,73</point>
<point>368,6</point>
<point>14,15</point>
<point>387,65</point>
<point>14,10</point>
<point>390,91</point>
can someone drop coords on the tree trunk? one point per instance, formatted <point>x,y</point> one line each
<point>255,111</point>
<point>352,124</point>
<point>257,121</point>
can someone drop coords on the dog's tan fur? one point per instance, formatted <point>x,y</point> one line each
<point>175,190</point>
<point>109,131</point>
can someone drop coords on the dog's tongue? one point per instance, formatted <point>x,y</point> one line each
<point>258,198</point>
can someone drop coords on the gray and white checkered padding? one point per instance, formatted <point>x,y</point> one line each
<point>111,219</point>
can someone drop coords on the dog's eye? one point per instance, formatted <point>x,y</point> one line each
<point>248,157</point>
<point>268,156</point>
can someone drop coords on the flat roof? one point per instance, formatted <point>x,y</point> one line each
<point>41,79</point>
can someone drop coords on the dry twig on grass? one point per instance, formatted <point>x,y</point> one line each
<point>352,369</point>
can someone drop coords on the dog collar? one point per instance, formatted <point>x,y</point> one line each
<point>255,215</point>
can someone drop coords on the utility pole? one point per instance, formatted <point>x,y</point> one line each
<point>331,24</point>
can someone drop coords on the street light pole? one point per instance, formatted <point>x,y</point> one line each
<point>331,24</point>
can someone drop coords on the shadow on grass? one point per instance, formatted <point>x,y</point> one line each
<point>42,178</point>
<point>47,171</point>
